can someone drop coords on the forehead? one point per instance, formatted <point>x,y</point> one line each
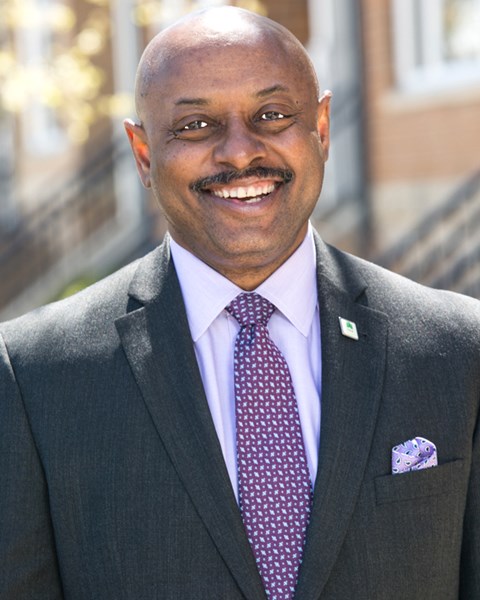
<point>217,68</point>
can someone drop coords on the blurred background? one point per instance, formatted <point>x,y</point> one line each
<point>402,185</point>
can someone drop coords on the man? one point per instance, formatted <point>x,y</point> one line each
<point>127,457</point>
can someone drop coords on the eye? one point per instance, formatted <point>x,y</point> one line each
<point>194,126</point>
<point>198,129</point>
<point>272,115</point>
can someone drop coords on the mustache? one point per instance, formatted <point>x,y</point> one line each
<point>285,175</point>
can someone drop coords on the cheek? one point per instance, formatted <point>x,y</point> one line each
<point>309,156</point>
<point>311,166</point>
<point>302,145</point>
<point>171,179</point>
<point>181,166</point>
<point>168,175</point>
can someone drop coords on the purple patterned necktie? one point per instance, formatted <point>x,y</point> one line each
<point>275,491</point>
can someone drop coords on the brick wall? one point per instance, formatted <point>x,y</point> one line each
<point>419,148</point>
<point>292,14</point>
<point>413,138</point>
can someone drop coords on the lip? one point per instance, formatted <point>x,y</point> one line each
<point>246,193</point>
<point>245,182</point>
<point>244,205</point>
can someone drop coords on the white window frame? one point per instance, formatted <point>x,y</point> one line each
<point>41,134</point>
<point>417,29</point>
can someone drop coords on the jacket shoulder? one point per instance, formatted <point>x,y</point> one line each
<point>85,319</point>
<point>405,302</point>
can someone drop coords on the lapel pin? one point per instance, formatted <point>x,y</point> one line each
<point>348,328</point>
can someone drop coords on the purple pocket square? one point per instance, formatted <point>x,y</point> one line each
<point>414,455</point>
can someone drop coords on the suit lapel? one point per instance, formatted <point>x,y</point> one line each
<point>352,376</point>
<point>156,340</point>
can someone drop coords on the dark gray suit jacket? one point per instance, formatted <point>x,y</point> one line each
<point>112,481</point>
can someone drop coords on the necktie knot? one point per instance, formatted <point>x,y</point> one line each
<point>249,308</point>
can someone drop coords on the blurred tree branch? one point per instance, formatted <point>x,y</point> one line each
<point>66,74</point>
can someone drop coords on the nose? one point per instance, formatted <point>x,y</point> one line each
<point>239,145</point>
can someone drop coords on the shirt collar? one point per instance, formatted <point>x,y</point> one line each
<point>292,288</point>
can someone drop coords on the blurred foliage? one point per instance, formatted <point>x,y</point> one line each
<point>159,12</point>
<point>51,56</point>
<point>48,57</point>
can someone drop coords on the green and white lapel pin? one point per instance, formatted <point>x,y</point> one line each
<point>348,328</point>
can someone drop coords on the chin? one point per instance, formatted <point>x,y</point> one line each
<point>256,256</point>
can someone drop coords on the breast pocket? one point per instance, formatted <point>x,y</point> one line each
<point>446,478</point>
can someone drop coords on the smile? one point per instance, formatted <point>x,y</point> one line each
<point>251,193</point>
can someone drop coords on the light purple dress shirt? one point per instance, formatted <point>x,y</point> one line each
<point>294,327</point>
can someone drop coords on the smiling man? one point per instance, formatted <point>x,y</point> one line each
<point>246,412</point>
<point>233,151</point>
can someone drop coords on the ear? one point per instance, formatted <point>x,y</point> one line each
<point>323,121</point>
<point>138,141</point>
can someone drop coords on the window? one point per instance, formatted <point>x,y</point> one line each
<point>436,43</point>
<point>35,39</point>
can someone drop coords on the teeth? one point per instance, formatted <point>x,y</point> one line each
<point>266,189</point>
<point>245,192</point>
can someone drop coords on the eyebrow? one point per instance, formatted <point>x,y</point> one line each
<point>189,101</point>
<point>272,90</point>
<point>204,101</point>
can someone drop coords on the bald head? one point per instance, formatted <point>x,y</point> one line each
<point>218,29</point>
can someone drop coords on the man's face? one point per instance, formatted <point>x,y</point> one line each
<point>233,144</point>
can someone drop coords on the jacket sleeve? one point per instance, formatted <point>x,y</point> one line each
<point>28,562</point>
<point>470,565</point>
